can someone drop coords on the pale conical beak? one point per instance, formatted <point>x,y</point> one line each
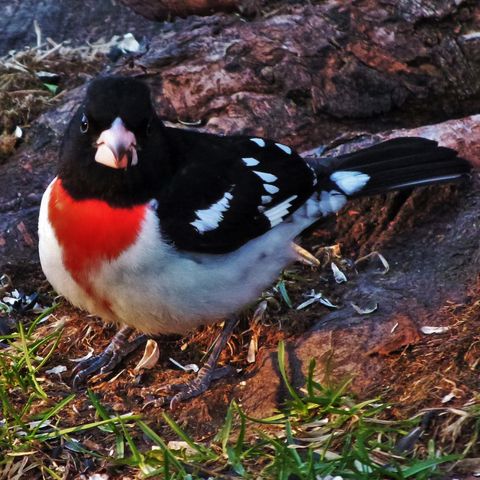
<point>116,147</point>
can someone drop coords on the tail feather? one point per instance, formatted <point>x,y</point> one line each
<point>396,164</point>
<point>401,147</point>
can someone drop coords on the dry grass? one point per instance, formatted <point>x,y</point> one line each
<point>32,80</point>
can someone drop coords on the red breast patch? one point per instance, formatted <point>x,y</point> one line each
<point>91,231</point>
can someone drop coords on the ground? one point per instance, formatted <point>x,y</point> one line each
<point>384,353</point>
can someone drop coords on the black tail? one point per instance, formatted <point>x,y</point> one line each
<point>399,163</point>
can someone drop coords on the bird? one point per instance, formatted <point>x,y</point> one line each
<point>161,230</point>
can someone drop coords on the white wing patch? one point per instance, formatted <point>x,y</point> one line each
<point>250,161</point>
<point>270,188</point>
<point>277,213</point>
<point>286,149</point>
<point>349,181</point>
<point>266,199</point>
<point>210,218</point>
<point>259,141</point>
<point>266,177</point>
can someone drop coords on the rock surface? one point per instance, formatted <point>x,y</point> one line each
<point>78,21</point>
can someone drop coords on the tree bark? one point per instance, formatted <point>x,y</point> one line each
<point>311,72</point>
<point>168,9</point>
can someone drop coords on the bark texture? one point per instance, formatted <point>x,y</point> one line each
<point>311,72</point>
<point>167,9</point>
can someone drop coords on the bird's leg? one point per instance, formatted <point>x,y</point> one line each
<point>116,351</point>
<point>208,372</point>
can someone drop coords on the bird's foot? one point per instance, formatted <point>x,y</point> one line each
<point>115,352</point>
<point>205,375</point>
<point>190,389</point>
<point>198,385</point>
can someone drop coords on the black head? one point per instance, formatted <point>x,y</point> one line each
<point>114,148</point>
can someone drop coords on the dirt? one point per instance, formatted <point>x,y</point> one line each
<point>384,353</point>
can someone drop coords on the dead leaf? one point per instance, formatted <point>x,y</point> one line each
<point>56,370</point>
<point>383,261</point>
<point>364,311</point>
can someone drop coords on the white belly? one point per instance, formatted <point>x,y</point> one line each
<point>156,289</point>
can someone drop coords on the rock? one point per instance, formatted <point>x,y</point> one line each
<point>78,21</point>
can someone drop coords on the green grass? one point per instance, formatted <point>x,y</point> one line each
<point>320,431</point>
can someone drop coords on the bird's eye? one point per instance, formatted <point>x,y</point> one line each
<point>84,124</point>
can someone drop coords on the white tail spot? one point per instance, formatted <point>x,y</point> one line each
<point>350,182</point>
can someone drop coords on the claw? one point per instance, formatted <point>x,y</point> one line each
<point>204,377</point>
<point>207,373</point>
<point>198,385</point>
<point>115,352</point>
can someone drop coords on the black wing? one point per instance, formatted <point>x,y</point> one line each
<point>229,190</point>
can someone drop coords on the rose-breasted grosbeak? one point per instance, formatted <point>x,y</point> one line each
<point>162,229</point>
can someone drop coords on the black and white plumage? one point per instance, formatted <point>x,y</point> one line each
<point>256,184</point>
<point>233,180</point>
<point>165,229</point>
